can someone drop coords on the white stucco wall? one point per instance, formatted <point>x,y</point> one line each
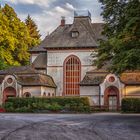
<point>92,92</point>
<point>5,85</point>
<point>56,60</point>
<point>33,57</point>
<point>47,90</point>
<point>35,91</point>
<point>38,91</point>
<point>1,94</point>
<point>131,91</point>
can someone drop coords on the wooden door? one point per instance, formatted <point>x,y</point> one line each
<point>112,103</point>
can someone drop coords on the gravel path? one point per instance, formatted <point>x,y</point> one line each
<point>99,126</point>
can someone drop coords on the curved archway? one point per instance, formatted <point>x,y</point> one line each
<point>8,92</point>
<point>111,98</point>
<point>44,94</point>
<point>49,94</point>
<point>27,94</point>
<point>72,76</point>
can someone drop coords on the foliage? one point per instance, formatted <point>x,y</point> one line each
<point>15,39</point>
<point>3,64</point>
<point>2,110</point>
<point>121,48</point>
<point>33,31</point>
<point>64,104</point>
<point>131,105</point>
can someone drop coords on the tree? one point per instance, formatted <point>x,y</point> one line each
<point>15,39</point>
<point>3,65</point>
<point>33,31</point>
<point>122,47</point>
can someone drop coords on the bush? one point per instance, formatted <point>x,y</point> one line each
<point>131,105</point>
<point>2,110</point>
<point>73,104</point>
<point>54,107</point>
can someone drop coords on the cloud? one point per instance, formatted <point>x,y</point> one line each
<point>48,20</point>
<point>60,10</point>
<point>44,3</point>
<point>70,6</point>
<point>47,13</point>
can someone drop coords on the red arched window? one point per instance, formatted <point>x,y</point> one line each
<point>72,76</point>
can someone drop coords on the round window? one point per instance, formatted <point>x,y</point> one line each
<point>27,95</point>
<point>111,79</point>
<point>9,80</point>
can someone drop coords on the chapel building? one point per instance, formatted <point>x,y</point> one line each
<point>62,65</point>
<point>68,51</point>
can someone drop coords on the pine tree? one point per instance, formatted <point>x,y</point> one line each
<point>122,48</point>
<point>33,31</point>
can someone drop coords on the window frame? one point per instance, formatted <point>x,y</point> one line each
<point>74,76</point>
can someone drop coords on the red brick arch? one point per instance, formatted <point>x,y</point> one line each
<point>72,76</point>
<point>8,92</point>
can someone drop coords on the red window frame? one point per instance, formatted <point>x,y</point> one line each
<point>72,76</point>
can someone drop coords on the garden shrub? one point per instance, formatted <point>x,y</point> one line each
<point>73,104</point>
<point>131,105</point>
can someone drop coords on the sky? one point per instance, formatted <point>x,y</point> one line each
<point>47,13</point>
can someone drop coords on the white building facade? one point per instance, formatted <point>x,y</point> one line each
<point>62,65</point>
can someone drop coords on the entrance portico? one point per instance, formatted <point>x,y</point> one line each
<point>111,98</point>
<point>8,92</point>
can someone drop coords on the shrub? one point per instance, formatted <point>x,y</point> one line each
<point>131,105</point>
<point>73,104</point>
<point>54,107</point>
<point>2,110</point>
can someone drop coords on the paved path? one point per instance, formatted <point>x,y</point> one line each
<point>99,126</point>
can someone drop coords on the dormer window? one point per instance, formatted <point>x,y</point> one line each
<point>74,34</point>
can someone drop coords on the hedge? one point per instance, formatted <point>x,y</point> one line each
<point>54,104</point>
<point>131,105</point>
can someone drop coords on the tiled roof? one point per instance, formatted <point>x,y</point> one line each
<point>18,69</point>
<point>131,78</point>
<point>89,33</point>
<point>28,76</point>
<point>39,48</point>
<point>89,81</point>
<point>93,77</point>
<point>40,61</point>
<point>36,80</point>
<point>96,77</point>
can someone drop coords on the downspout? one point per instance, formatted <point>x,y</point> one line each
<point>55,92</point>
<point>99,97</point>
<point>47,62</point>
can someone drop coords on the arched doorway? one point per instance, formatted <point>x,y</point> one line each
<point>8,92</point>
<point>72,76</point>
<point>111,98</point>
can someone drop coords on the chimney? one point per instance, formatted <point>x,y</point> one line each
<point>62,21</point>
